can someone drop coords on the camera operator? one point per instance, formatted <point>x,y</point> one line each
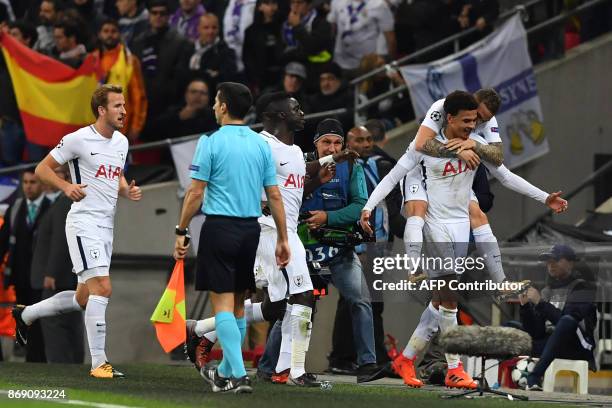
<point>338,203</point>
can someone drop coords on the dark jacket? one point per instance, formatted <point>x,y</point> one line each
<point>262,54</point>
<point>217,64</point>
<point>343,98</point>
<point>576,297</point>
<point>51,257</point>
<point>161,54</point>
<point>8,102</point>
<point>22,249</point>
<point>169,124</point>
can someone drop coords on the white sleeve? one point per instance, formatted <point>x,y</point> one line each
<point>491,131</point>
<point>434,118</point>
<point>407,162</point>
<point>385,19</point>
<point>516,183</point>
<point>67,149</point>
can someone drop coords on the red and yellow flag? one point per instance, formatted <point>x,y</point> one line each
<point>169,315</point>
<point>53,98</point>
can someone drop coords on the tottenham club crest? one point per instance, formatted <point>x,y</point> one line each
<point>414,188</point>
<point>435,116</point>
<point>94,253</point>
<point>122,156</point>
<point>298,280</point>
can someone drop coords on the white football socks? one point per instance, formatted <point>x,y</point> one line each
<point>284,358</point>
<point>448,320</point>
<point>413,238</point>
<point>60,303</point>
<point>300,338</point>
<point>488,248</point>
<point>428,325</point>
<point>95,323</point>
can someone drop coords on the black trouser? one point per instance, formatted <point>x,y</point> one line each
<point>63,335</point>
<point>35,349</point>
<point>343,348</point>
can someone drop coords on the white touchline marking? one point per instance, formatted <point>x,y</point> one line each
<point>73,402</point>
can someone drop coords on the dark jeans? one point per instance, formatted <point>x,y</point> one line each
<point>267,363</point>
<point>13,141</point>
<point>562,343</point>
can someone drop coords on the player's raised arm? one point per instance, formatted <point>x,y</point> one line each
<point>46,174</point>
<point>522,186</point>
<point>407,162</point>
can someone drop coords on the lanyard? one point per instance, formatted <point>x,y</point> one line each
<point>354,12</point>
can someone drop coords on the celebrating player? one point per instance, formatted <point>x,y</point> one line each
<point>96,155</point>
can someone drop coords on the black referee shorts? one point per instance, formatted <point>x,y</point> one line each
<point>226,254</point>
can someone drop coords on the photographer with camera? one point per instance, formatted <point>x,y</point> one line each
<point>337,203</point>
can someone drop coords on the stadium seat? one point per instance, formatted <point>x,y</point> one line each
<point>579,367</point>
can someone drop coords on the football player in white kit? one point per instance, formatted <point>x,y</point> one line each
<point>447,226</point>
<point>96,156</point>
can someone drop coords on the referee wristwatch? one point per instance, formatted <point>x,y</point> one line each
<point>181,232</point>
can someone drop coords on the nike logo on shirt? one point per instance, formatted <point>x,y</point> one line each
<point>282,164</point>
<point>93,154</point>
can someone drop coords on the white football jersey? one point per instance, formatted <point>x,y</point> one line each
<point>449,183</point>
<point>435,119</point>
<point>291,172</point>
<point>97,162</point>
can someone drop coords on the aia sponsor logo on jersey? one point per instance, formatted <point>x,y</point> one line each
<point>294,181</point>
<point>450,169</point>
<point>108,171</point>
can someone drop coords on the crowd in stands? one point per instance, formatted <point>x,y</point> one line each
<point>177,51</point>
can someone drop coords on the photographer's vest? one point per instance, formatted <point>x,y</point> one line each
<point>331,196</point>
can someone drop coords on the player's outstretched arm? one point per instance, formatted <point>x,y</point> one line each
<point>130,191</point>
<point>46,173</point>
<point>312,167</point>
<point>275,202</point>
<point>522,186</point>
<point>407,162</point>
<point>191,205</point>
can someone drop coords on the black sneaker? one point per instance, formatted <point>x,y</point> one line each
<point>240,385</point>
<point>211,376</point>
<point>370,372</point>
<point>342,368</point>
<point>21,328</point>
<point>262,376</point>
<point>306,380</point>
<point>196,348</point>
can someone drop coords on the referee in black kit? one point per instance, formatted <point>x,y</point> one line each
<point>228,171</point>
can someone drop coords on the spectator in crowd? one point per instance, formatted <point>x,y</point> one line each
<point>392,110</point>
<point>293,84</point>
<point>308,37</point>
<point>88,13</point>
<point>481,14</point>
<point>263,48</point>
<point>358,25</point>
<point>67,48</point>
<point>333,94</point>
<point>186,19</point>
<point>238,17</point>
<point>49,14</point>
<point>161,50</point>
<point>194,116</point>
<point>421,23</point>
<point>12,135</point>
<point>121,67</point>
<point>560,319</point>
<point>133,19</point>
<point>21,223</point>
<point>52,273</point>
<point>212,59</point>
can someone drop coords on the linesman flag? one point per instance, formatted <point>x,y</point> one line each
<point>53,98</point>
<point>169,315</point>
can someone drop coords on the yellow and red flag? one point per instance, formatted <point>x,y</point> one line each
<point>53,98</point>
<point>169,315</point>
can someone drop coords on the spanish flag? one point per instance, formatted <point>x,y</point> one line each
<point>169,315</point>
<point>53,98</point>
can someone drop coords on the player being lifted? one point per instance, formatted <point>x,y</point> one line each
<point>447,226</point>
<point>96,156</point>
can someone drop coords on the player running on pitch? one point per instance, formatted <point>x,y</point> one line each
<point>96,156</point>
